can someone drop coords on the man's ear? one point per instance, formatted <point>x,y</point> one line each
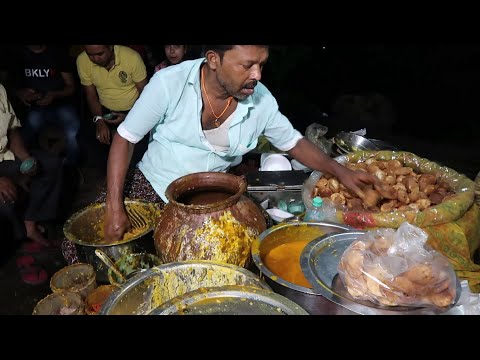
<point>212,58</point>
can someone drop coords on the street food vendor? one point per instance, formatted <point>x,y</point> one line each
<point>202,115</point>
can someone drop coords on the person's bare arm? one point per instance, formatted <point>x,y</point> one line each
<point>102,130</point>
<point>8,190</point>
<point>18,148</point>
<point>140,85</point>
<point>16,144</point>
<point>311,156</point>
<point>116,219</point>
<point>92,100</point>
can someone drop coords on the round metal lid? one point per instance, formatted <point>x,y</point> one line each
<point>319,261</point>
<point>230,300</point>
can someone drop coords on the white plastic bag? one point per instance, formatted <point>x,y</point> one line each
<point>396,268</point>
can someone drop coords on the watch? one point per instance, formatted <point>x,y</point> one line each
<point>96,118</point>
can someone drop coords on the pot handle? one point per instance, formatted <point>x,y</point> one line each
<point>107,261</point>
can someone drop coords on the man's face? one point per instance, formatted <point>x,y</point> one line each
<point>99,54</point>
<point>241,69</point>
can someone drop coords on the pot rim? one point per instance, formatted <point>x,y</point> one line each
<point>131,283</point>
<point>74,239</point>
<point>206,208</point>
<point>274,277</point>
<point>63,271</point>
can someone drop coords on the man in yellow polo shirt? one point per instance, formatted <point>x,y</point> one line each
<point>113,77</point>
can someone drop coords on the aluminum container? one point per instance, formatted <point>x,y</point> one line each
<point>230,300</point>
<point>144,292</point>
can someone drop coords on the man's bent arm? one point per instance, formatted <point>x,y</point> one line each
<point>311,156</point>
<point>119,159</point>
<point>92,100</point>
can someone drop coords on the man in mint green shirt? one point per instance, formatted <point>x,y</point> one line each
<point>202,115</point>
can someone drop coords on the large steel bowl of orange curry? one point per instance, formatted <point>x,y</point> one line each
<point>276,253</point>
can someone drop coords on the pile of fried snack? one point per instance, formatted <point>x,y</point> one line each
<point>370,270</point>
<point>401,188</point>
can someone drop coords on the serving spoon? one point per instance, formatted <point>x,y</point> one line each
<point>110,264</point>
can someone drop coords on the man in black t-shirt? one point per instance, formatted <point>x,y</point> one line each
<point>43,82</point>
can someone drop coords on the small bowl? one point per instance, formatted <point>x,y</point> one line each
<point>276,162</point>
<point>131,264</point>
<point>60,303</point>
<point>297,165</point>
<point>279,215</point>
<point>77,278</point>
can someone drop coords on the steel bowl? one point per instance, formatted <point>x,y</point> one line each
<point>85,229</point>
<point>146,291</point>
<point>60,303</point>
<point>78,278</point>
<point>349,142</point>
<point>130,264</point>
<point>307,297</point>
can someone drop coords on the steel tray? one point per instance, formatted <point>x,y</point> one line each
<point>319,262</point>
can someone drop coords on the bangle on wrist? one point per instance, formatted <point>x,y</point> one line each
<point>96,118</point>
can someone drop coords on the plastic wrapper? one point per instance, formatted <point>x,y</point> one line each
<point>468,303</point>
<point>453,226</point>
<point>449,210</point>
<point>397,268</point>
<point>316,134</point>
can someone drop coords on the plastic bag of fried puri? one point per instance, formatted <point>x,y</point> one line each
<point>424,193</point>
<point>451,219</point>
<point>397,268</point>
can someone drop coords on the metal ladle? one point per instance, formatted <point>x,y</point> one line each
<point>110,264</point>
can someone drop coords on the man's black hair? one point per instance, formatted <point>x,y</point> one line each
<point>221,49</point>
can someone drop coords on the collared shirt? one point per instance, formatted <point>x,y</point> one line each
<point>171,107</point>
<point>8,120</point>
<point>115,87</point>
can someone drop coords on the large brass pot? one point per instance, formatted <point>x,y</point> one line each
<point>208,217</point>
<point>85,229</point>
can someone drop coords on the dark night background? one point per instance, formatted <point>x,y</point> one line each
<point>425,96</point>
<point>433,88</point>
